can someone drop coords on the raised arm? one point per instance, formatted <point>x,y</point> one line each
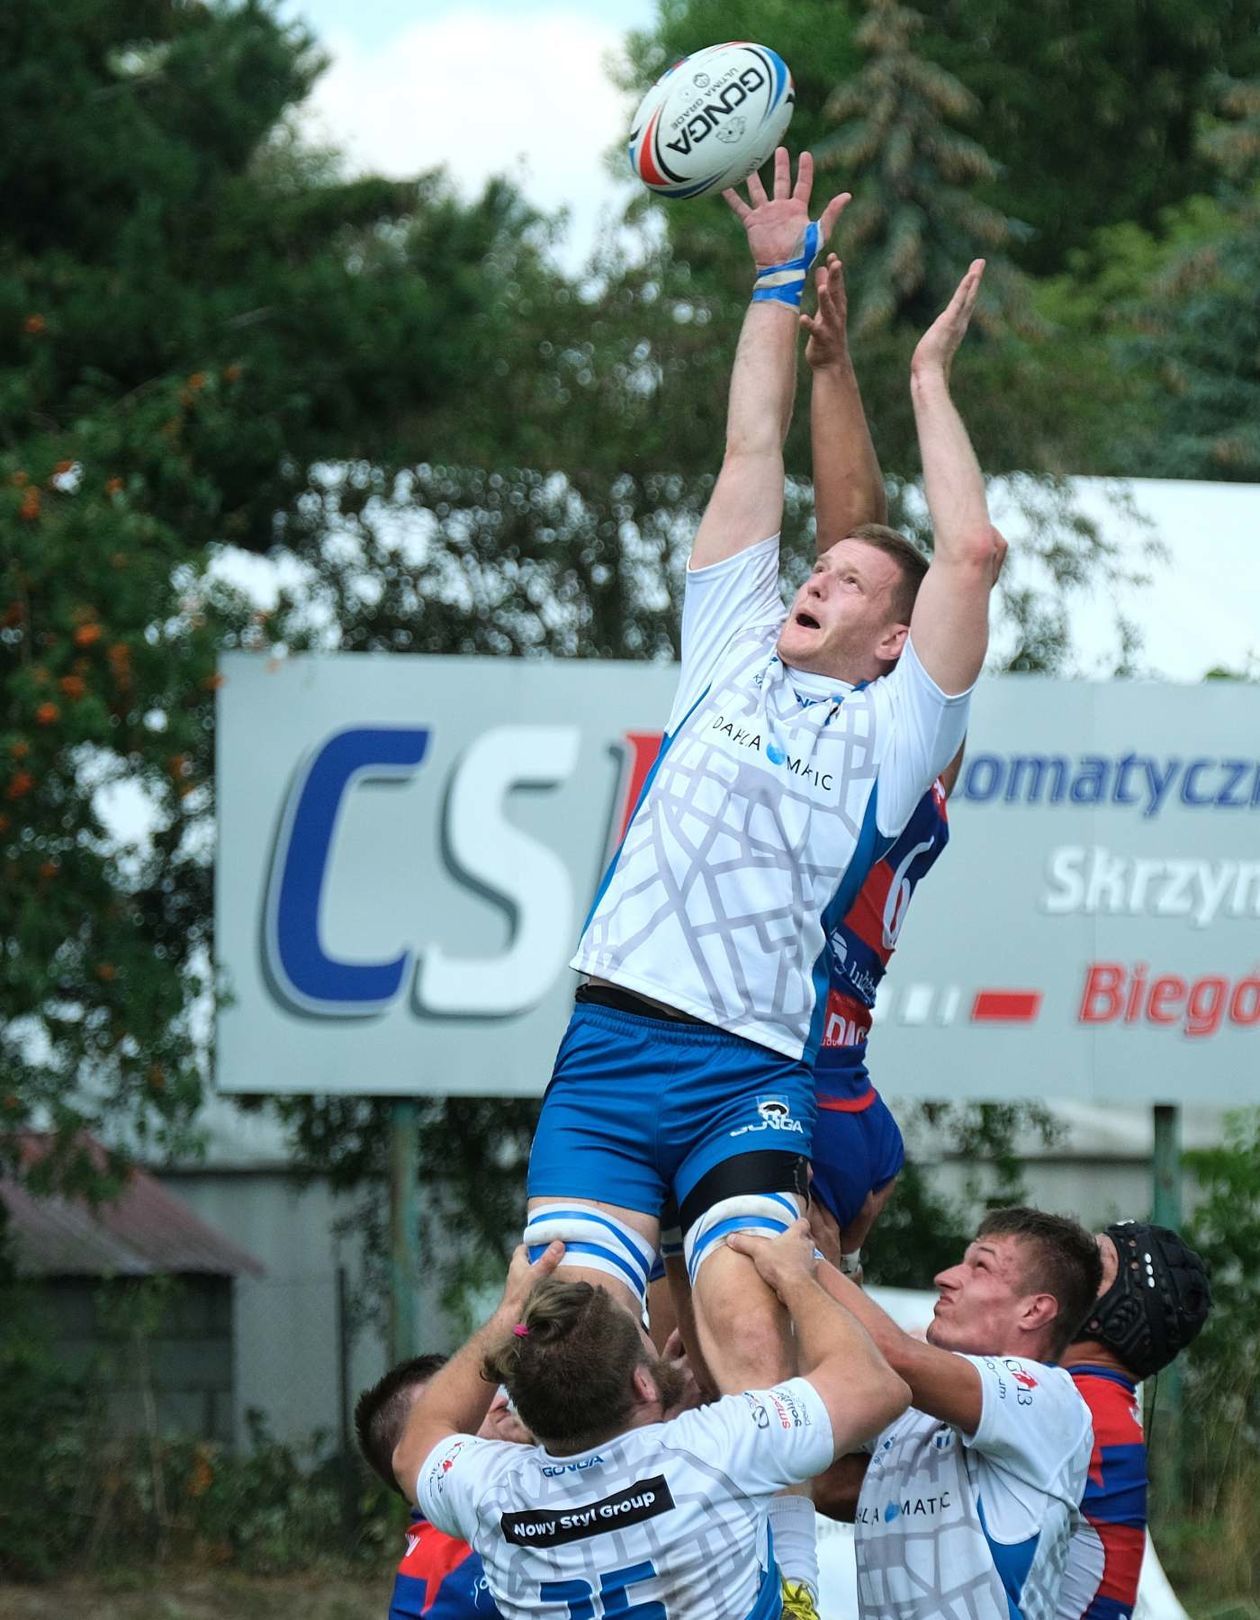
<point>747,501</point>
<point>950,623</point>
<point>457,1398</point>
<point>861,1392</point>
<point>848,485</point>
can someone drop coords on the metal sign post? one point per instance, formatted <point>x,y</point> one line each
<point>404,1226</point>
<point>1166,1211</point>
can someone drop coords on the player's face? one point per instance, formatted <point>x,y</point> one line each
<point>502,1423</point>
<point>842,621</point>
<point>1110,1262</point>
<point>981,1300</point>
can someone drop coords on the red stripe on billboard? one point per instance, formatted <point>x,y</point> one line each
<point>1005,1006</point>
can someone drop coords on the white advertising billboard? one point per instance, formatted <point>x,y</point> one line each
<point>408,848</point>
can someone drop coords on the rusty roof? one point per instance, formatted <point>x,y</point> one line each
<point>144,1232</point>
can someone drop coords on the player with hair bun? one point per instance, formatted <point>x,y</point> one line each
<point>619,1503</point>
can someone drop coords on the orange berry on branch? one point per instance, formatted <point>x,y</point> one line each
<point>47,714</point>
<point>29,509</point>
<point>20,785</point>
<point>86,634</point>
<point>33,325</point>
<point>74,686</point>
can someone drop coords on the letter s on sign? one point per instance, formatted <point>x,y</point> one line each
<point>303,973</point>
<point>486,851</point>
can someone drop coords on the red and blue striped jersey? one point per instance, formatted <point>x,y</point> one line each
<point>859,947</point>
<point>1105,1554</point>
<point>439,1578</point>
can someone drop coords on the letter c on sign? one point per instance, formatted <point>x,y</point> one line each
<point>303,972</point>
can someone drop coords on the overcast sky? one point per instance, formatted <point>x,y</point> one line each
<point>520,86</point>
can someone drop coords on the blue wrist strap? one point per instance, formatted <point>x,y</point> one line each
<point>784,283</point>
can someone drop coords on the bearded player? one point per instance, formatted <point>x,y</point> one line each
<point>799,744</point>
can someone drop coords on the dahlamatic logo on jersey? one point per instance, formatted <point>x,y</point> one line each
<point>547,1527</point>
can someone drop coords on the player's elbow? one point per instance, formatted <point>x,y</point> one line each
<point>973,547</point>
<point>864,1403</point>
<point>891,1399</point>
<point>883,1396</point>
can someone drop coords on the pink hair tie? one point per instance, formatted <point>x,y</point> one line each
<point>521,1331</point>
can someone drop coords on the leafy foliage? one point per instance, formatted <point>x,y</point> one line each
<point>1224,1363</point>
<point>194,312</point>
<point>916,215</point>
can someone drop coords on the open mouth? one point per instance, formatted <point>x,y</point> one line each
<point>807,621</point>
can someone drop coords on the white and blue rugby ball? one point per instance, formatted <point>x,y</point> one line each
<point>711,119</point>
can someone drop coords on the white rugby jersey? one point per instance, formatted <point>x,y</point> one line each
<point>672,1516</point>
<point>975,1528</point>
<point>773,795</point>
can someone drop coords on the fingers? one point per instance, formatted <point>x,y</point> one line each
<point>736,203</point>
<point>832,212</point>
<point>756,191</point>
<point>783,174</point>
<point>746,1243</point>
<point>547,1261</point>
<point>804,174</point>
<point>964,299</point>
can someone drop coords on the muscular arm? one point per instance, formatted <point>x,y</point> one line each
<point>747,501</point>
<point>848,485</point>
<point>950,623</point>
<point>942,1383</point>
<point>861,1391</point>
<point>457,1398</point>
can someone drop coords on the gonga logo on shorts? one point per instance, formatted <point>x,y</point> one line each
<point>775,1114</point>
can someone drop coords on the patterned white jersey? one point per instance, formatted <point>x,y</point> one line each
<point>975,1528</point>
<point>666,1522</point>
<point>774,793</point>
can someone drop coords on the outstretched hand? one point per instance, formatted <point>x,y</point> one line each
<point>827,342</point>
<point>775,226</point>
<point>939,344</point>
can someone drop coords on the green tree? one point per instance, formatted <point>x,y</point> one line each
<point>195,312</point>
<point>1223,1392</point>
<point>1199,329</point>
<point>1091,108</point>
<point>916,218</point>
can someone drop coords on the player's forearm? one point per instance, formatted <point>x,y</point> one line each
<point>863,1392</point>
<point>939,1381</point>
<point>952,481</point>
<point>454,1401</point>
<point>763,382</point>
<point>848,484</point>
<point>891,1342</point>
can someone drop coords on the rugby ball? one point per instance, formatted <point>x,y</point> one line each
<point>712,119</point>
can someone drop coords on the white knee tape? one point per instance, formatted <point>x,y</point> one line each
<point>767,1213</point>
<point>593,1240</point>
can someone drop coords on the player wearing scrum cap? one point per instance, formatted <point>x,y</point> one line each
<point>798,747</point>
<point>619,1507</point>
<point>1155,1298</point>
